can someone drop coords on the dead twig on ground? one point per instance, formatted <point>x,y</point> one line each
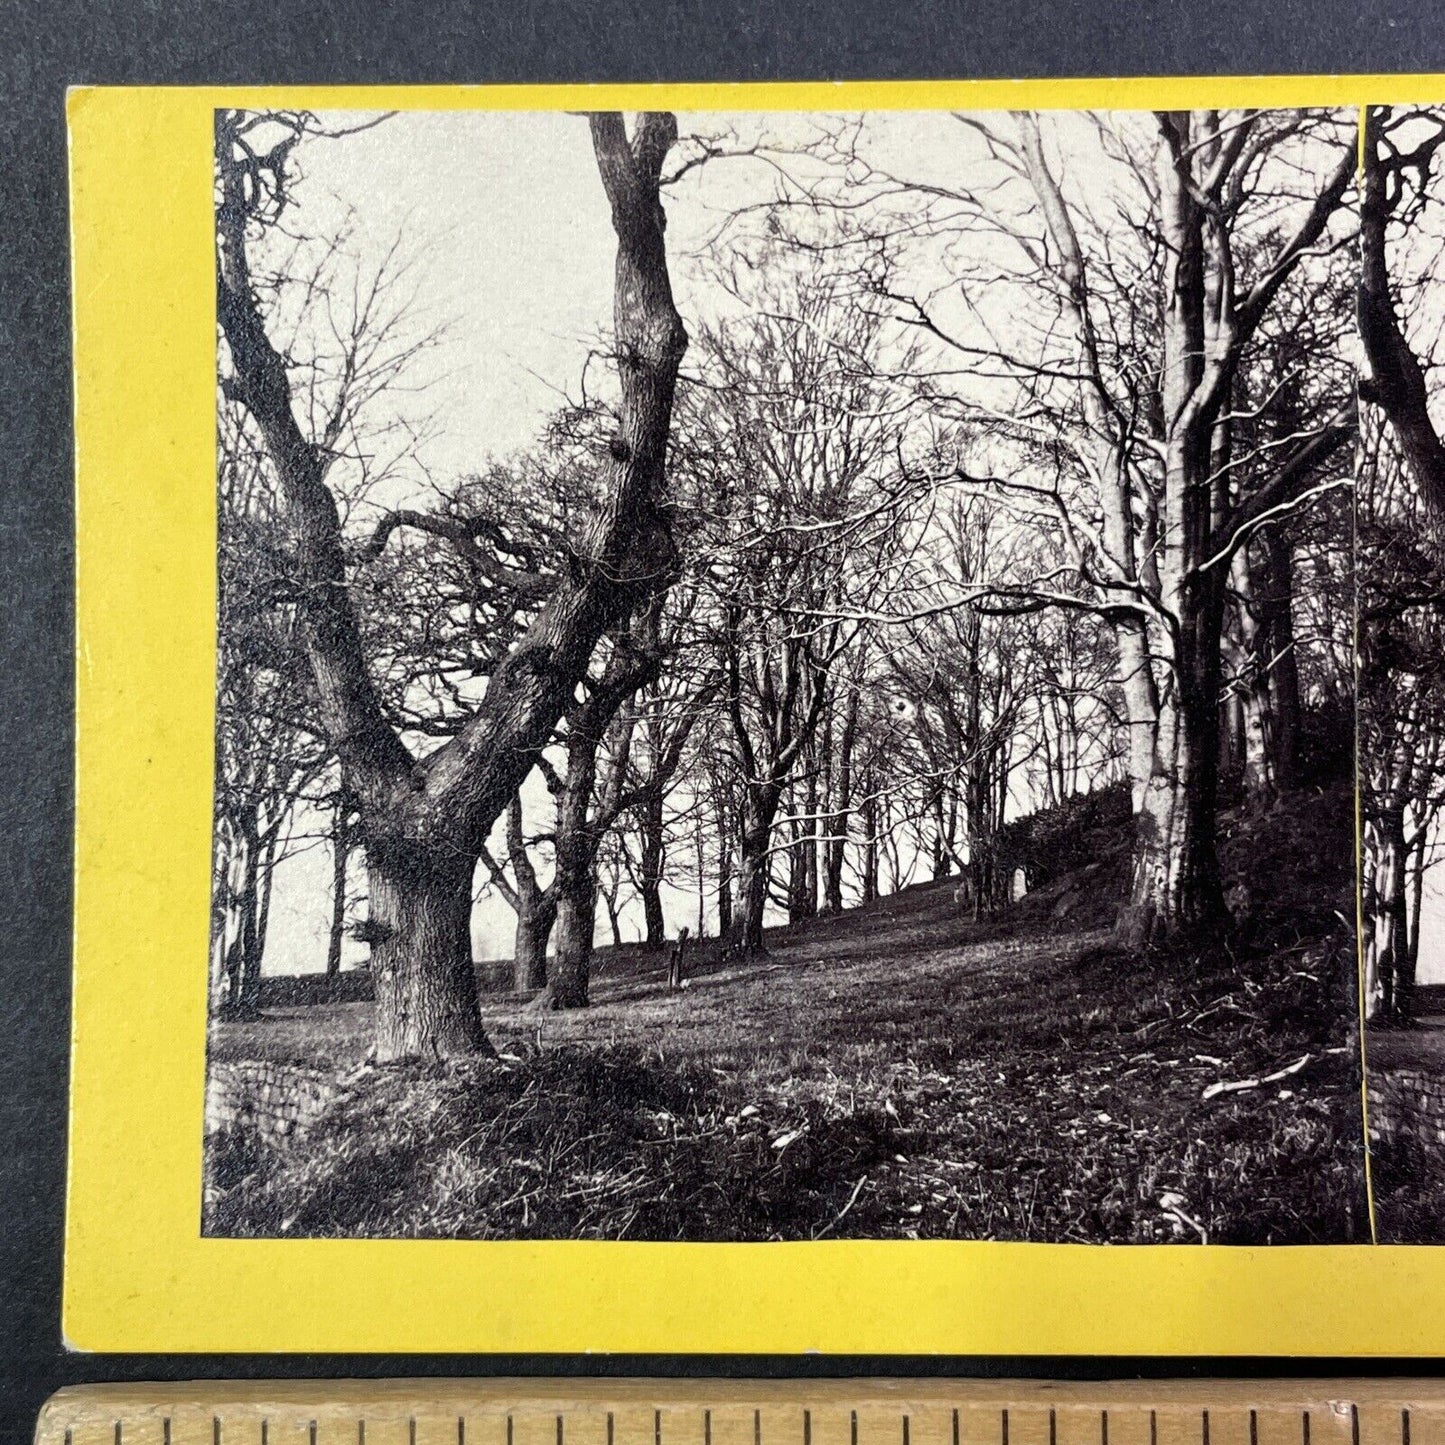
<point>838,1218</point>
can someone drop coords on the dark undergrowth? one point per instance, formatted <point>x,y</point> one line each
<point>1409,1183</point>
<point>905,1076</point>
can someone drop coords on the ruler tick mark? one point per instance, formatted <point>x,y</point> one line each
<point>1219,1420</point>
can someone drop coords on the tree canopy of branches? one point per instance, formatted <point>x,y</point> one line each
<point>1000,472</point>
<point>1401,511</point>
<point>1126,288</point>
<point>424,819</point>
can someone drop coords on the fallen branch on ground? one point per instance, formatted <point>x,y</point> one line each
<point>1238,1086</point>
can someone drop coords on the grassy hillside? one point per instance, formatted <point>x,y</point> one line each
<point>893,1071</point>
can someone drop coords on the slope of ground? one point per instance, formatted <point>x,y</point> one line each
<point>893,1071</point>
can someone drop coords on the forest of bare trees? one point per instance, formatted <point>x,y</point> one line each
<point>1401,523</point>
<point>935,507</point>
<point>1401,512</point>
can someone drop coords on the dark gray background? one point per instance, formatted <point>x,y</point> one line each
<point>44,48</point>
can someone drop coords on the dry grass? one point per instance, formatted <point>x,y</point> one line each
<point>892,1072</point>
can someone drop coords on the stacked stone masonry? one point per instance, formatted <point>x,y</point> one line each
<point>278,1102</point>
<point>1408,1103</point>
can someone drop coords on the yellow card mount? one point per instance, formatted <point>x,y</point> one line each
<point>794,1412</point>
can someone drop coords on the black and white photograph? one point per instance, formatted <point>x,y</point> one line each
<point>792,676</point>
<point>1401,520</point>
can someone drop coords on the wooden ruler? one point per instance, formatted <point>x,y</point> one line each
<point>793,1412</point>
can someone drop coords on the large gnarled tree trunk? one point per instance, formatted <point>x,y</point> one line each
<point>424,821</point>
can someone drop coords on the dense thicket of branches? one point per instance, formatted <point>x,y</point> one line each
<point>999,472</point>
<point>1401,513</point>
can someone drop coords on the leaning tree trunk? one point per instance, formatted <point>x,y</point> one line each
<point>570,973</point>
<point>421,955</point>
<point>1284,674</point>
<point>535,918</point>
<point>241,964</point>
<point>650,829</point>
<point>574,884</point>
<point>870,844</point>
<point>754,867</point>
<point>340,853</point>
<point>1385,911</point>
<point>1176,891</point>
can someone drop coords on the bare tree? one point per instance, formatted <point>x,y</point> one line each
<point>1109,315</point>
<point>1401,512</point>
<point>791,438</point>
<point>535,906</point>
<point>268,752</point>
<point>423,820</point>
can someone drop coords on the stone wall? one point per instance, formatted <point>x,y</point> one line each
<point>1408,1103</point>
<point>354,985</point>
<point>276,1101</point>
<point>293,990</point>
